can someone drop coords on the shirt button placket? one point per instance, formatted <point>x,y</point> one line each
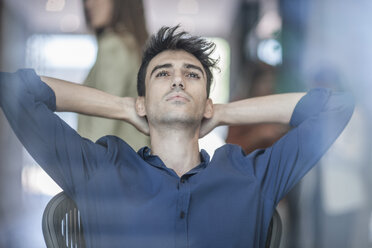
<point>182,208</point>
<point>182,214</point>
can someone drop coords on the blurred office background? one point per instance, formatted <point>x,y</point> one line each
<point>265,46</point>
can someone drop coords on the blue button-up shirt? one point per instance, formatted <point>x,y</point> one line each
<point>132,199</point>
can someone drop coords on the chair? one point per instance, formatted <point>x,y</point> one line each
<point>62,226</point>
<point>274,233</point>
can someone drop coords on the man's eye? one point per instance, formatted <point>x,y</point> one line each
<point>162,74</point>
<point>193,75</point>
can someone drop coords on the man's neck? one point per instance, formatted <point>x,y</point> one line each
<point>178,149</point>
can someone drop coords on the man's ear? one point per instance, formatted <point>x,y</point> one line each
<point>208,111</point>
<point>140,106</point>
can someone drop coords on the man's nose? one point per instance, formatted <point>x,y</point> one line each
<point>178,83</point>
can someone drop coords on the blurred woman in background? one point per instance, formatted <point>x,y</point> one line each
<point>121,32</point>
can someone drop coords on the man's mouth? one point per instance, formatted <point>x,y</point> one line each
<point>177,97</point>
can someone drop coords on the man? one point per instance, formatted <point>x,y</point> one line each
<point>171,195</point>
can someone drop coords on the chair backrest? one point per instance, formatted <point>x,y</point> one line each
<point>274,233</point>
<point>62,226</point>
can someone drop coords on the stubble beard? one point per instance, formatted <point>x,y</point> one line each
<point>174,121</point>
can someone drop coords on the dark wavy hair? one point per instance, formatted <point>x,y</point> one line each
<point>168,39</point>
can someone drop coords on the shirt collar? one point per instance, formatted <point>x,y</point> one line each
<point>145,153</point>
<point>204,161</point>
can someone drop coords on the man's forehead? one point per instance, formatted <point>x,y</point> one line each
<point>174,56</point>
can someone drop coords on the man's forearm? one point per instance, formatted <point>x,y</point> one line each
<point>77,98</point>
<point>267,109</point>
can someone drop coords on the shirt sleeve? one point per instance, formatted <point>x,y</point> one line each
<point>28,104</point>
<point>318,119</point>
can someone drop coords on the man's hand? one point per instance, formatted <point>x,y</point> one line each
<point>133,118</point>
<point>209,124</point>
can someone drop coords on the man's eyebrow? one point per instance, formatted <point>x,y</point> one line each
<point>194,67</point>
<point>160,67</point>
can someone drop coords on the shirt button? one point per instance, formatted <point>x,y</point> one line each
<point>183,180</point>
<point>182,214</point>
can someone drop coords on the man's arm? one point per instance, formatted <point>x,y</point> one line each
<point>28,104</point>
<point>266,109</point>
<point>71,97</point>
<point>317,119</point>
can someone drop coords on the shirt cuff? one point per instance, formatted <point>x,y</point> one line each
<point>309,105</point>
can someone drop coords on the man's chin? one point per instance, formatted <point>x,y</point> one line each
<point>180,102</point>
<point>180,119</point>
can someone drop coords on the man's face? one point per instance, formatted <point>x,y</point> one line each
<point>175,89</point>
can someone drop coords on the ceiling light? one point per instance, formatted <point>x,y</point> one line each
<point>54,5</point>
<point>270,52</point>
